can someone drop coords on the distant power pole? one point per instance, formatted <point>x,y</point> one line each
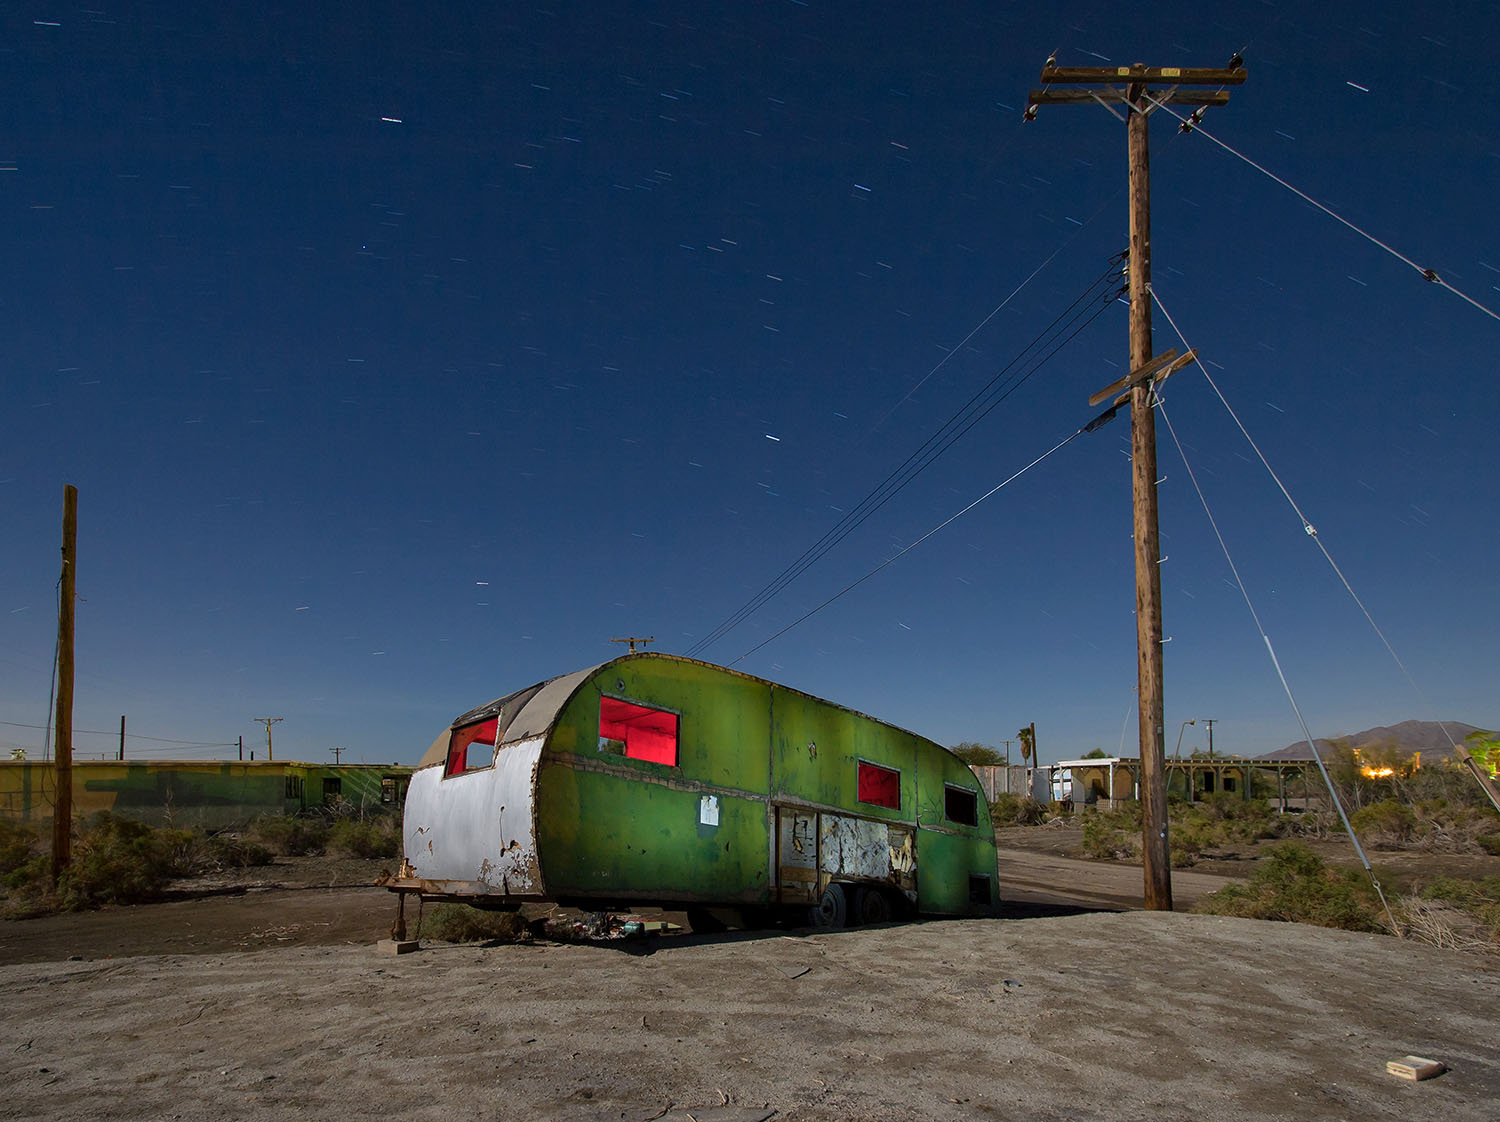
<point>1129,87</point>
<point>268,722</point>
<point>336,753</point>
<point>1210,722</point>
<point>633,640</point>
<point>62,804</point>
<point>122,736</point>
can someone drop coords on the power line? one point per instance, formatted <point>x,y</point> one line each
<point>890,560</point>
<point>1091,303</point>
<point>980,326</point>
<point>130,736</point>
<point>1426,273</point>
<point>1280,674</point>
<point>1310,530</point>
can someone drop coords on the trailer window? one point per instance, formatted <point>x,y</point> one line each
<point>879,786</point>
<point>960,805</point>
<point>627,729</point>
<point>472,747</point>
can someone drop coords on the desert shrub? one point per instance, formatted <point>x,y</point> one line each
<point>1107,838</point>
<point>119,861</point>
<point>1447,827</point>
<point>1010,809</point>
<point>1030,812</point>
<point>371,837</point>
<point>19,845</point>
<point>1440,924</point>
<point>1003,809</point>
<point>223,851</point>
<point>291,837</point>
<point>459,923</point>
<point>1385,824</point>
<point>1449,912</point>
<point>1479,897</point>
<point>1295,885</point>
<point>1490,843</point>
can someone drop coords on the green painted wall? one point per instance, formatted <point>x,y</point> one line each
<point>205,795</point>
<point>817,748</point>
<point>745,741</point>
<point>599,833</point>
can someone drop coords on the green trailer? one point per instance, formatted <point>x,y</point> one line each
<point>657,779</point>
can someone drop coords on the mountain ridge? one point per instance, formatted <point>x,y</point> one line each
<point>1409,737</point>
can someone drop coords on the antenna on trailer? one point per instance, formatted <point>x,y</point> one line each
<point>633,640</point>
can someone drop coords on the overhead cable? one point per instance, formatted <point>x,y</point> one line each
<point>1275,662</point>
<point>1426,273</point>
<point>1085,308</point>
<point>903,552</point>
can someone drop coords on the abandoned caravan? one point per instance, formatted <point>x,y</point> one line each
<point>658,779</point>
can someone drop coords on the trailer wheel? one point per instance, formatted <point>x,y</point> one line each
<point>871,905</point>
<point>832,908</point>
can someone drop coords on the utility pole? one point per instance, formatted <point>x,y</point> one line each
<point>242,749</point>
<point>62,804</point>
<point>336,753</point>
<point>1210,722</point>
<point>1008,743</point>
<point>1131,88</point>
<point>633,640</point>
<point>122,736</point>
<point>268,722</point>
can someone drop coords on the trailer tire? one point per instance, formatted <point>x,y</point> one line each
<point>832,908</point>
<point>871,905</point>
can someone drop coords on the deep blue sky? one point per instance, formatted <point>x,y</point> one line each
<point>373,420</point>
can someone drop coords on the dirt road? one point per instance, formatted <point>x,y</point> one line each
<point>296,905</point>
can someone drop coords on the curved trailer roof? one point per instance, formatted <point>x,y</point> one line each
<point>533,710</point>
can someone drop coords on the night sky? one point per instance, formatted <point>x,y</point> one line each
<point>403,355</point>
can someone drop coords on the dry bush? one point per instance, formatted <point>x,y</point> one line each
<point>379,836</point>
<point>1296,885</point>
<point>291,837</point>
<point>1441,924</point>
<point>459,923</point>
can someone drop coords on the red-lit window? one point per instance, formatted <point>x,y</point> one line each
<point>880,786</point>
<point>626,729</point>
<point>472,747</point>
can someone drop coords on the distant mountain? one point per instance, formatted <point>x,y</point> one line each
<point>1409,736</point>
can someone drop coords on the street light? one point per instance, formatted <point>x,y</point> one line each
<point>1177,752</point>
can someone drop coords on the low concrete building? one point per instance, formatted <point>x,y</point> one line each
<point>1111,779</point>
<point>211,794</point>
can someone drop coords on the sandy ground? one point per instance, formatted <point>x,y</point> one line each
<point>1091,1016</point>
<point>274,1003</point>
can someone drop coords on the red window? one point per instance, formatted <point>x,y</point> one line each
<point>472,747</point>
<point>627,729</point>
<point>880,786</point>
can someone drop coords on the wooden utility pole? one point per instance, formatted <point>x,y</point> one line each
<point>268,722</point>
<point>122,736</point>
<point>1131,89</point>
<point>62,803</point>
<point>633,640</point>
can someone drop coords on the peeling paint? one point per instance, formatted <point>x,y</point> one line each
<point>487,823</point>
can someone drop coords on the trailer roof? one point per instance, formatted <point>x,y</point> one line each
<point>526,712</point>
<point>533,710</point>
